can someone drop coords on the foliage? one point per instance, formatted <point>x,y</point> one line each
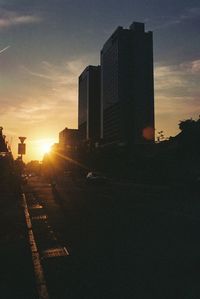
<point>189,125</point>
<point>160,136</point>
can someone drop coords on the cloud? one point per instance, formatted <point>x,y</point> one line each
<point>10,18</point>
<point>60,81</point>
<point>190,14</point>
<point>182,78</point>
<point>176,105</point>
<point>4,49</point>
<point>64,74</point>
<point>177,93</point>
<point>45,95</point>
<point>191,67</point>
<point>166,21</point>
<point>168,78</point>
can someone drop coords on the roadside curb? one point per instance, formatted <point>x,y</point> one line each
<point>38,270</point>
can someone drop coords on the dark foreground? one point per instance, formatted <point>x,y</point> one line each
<point>16,273</point>
<point>124,240</point>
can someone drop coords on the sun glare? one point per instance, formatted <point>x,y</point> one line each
<point>39,147</point>
<point>45,147</point>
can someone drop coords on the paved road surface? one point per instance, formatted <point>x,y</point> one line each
<point>123,240</point>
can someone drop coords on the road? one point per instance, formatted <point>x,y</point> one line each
<point>118,240</point>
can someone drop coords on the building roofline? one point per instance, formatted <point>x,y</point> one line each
<point>92,67</point>
<point>135,27</point>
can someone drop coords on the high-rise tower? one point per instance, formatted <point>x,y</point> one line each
<point>127,89</point>
<point>89,103</point>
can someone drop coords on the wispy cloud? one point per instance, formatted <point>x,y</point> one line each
<point>48,90</point>
<point>168,20</point>
<point>4,49</point>
<point>60,79</point>
<point>191,67</point>
<point>10,18</point>
<point>190,13</point>
<point>177,93</point>
<point>182,78</point>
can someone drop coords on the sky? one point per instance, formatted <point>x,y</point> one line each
<point>45,45</point>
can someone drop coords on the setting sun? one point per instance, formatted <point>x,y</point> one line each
<point>45,147</point>
<point>38,148</point>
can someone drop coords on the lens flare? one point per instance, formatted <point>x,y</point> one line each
<point>45,147</point>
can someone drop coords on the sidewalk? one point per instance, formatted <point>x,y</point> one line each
<point>16,271</point>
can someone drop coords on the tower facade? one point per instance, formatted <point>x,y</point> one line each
<point>89,101</point>
<point>127,88</point>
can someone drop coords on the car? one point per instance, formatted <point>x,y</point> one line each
<point>24,179</point>
<point>95,177</point>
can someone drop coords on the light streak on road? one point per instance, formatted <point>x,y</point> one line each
<point>71,160</point>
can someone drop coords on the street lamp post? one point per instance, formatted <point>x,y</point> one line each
<point>22,147</point>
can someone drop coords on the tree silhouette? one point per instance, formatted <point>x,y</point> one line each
<point>188,125</point>
<point>160,136</point>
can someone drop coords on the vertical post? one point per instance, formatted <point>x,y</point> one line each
<point>22,147</point>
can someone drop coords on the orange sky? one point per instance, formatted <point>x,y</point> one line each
<point>45,46</point>
<point>50,107</point>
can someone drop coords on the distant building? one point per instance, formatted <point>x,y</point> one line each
<point>69,139</point>
<point>89,103</point>
<point>55,147</point>
<point>127,88</point>
<point>3,145</point>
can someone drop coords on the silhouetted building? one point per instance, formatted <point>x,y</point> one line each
<point>127,91</point>
<point>3,145</point>
<point>69,139</point>
<point>89,103</point>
